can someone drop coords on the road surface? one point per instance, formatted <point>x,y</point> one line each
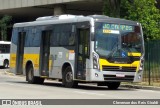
<point>15,87</point>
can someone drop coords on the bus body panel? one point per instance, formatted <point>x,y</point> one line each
<point>60,56</point>
<point>105,76</point>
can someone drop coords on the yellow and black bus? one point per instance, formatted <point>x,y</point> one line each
<point>74,49</point>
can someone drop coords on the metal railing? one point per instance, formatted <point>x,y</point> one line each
<point>152,62</point>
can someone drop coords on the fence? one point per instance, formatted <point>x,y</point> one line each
<point>152,62</point>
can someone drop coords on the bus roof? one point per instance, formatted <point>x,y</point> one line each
<point>5,42</point>
<point>72,19</point>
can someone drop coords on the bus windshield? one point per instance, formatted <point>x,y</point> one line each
<point>117,39</point>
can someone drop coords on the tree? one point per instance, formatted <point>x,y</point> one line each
<point>143,11</point>
<point>158,3</point>
<point>147,14</point>
<point>4,24</point>
<point>112,8</point>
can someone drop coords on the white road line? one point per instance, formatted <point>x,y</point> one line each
<point>151,91</point>
<point>88,93</point>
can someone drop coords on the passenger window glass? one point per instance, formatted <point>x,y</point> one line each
<point>15,36</point>
<point>62,35</point>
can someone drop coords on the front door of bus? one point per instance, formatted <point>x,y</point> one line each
<point>83,52</point>
<point>44,53</point>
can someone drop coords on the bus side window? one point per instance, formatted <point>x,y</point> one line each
<point>54,38</point>
<point>8,49</point>
<point>36,37</point>
<point>65,32</point>
<point>72,35</point>
<point>15,36</point>
<point>28,38</point>
<point>71,39</point>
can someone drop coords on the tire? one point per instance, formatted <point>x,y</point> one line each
<point>67,78</point>
<point>6,64</point>
<point>113,85</point>
<point>31,78</point>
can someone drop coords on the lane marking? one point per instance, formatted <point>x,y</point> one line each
<point>88,93</point>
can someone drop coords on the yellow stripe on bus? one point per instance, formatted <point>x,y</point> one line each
<point>106,63</point>
<point>32,57</point>
<point>12,60</point>
<point>134,54</point>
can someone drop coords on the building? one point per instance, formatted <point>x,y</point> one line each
<point>25,10</point>
<point>29,10</point>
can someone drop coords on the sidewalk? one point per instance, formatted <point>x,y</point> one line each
<point>141,87</point>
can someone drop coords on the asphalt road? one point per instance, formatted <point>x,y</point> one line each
<point>15,87</point>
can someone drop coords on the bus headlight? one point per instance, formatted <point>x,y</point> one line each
<point>141,65</point>
<point>95,61</point>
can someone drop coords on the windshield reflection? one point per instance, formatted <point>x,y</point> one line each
<point>105,43</point>
<point>131,41</point>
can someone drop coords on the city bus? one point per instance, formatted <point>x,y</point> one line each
<point>4,53</point>
<point>74,49</point>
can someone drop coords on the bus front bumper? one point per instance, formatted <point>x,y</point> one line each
<point>93,75</point>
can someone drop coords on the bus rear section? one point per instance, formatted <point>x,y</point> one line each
<point>4,53</point>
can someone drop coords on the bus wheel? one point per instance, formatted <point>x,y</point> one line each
<point>113,85</point>
<point>68,78</point>
<point>31,78</point>
<point>6,64</point>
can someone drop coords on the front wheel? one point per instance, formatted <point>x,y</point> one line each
<point>113,85</point>
<point>68,78</point>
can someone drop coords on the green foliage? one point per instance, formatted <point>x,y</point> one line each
<point>4,24</point>
<point>112,8</point>
<point>145,12</point>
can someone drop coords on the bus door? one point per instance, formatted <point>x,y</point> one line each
<point>20,52</point>
<point>82,51</point>
<point>44,53</point>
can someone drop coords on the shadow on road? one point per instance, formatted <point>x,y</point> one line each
<point>90,87</point>
<point>2,67</point>
<point>87,87</point>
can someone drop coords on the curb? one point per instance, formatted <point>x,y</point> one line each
<point>142,87</point>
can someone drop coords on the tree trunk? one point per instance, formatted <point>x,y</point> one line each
<point>113,7</point>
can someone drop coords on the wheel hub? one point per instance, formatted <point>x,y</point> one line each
<point>69,77</point>
<point>30,75</point>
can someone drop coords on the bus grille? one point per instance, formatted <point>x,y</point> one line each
<point>118,68</point>
<point>114,78</point>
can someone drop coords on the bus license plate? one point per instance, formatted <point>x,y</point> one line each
<point>120,75</point>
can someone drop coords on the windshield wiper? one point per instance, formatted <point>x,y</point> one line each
<point>113,50</point>
<point>128,50</point>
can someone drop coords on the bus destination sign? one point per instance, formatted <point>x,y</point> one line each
<point>118,27</point>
